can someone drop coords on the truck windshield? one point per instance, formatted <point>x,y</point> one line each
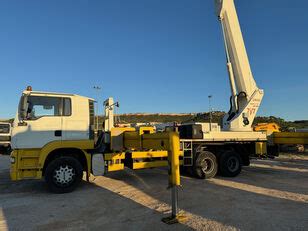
<point>4,128</point>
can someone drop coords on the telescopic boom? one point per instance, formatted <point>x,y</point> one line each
<point>245,97</point>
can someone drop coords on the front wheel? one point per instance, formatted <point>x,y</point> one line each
<point>205,166</point>
<point>63,174</point>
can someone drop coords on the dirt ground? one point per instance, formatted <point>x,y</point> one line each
<point>268,195</point>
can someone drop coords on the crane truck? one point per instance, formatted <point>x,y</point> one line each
<point>53,133</point>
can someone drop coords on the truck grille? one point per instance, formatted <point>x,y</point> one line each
<point>5,138</point>
<point>4,128</point>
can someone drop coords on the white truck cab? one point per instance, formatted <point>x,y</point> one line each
<point>51,136</point>
<point>44,117</point>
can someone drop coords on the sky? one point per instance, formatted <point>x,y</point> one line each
<point>152,55</point>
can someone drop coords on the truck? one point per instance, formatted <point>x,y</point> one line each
<point>53,133</point>
<point>5,137</point>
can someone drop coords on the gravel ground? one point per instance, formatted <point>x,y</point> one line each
<point>268,195</point>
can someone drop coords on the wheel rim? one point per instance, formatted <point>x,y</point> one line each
<point>233,164</point>
<point>207,165</point>
<point>64,175</point>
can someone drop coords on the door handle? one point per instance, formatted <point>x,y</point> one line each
<point>58,133</point>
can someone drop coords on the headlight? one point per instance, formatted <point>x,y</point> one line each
<point>12,159</point>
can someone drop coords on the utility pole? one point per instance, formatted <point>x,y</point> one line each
<point>210,110</point>
<point>97,89</point>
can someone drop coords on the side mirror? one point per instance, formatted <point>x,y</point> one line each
<point>23,114</point>
<point>23,110</point>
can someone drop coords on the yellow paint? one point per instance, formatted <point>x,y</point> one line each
<point>269,128</point>
<point>26,164</point>
<point>150,154</point>
<point>115,167</point>
<point>117,138</point>
<point>29,163</point>
<point>132,140</point>
<point>146,130</point>
<point>290,138</point>
<point>291,135</point>
<point>152,164</point>
<point>78,144</point>
<point>261,148</point>
<point>128,138</point>
<point>114,156</point>
<point>156,141</point>
<point>173,159</point>
<point>114,161</point>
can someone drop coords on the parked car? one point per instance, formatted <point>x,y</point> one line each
<point>5,138</point>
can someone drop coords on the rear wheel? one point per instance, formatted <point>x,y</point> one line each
<point>63,174</point>
<point>205,166</point>
<point>230,164</point>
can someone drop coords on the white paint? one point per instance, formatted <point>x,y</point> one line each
<point>37,133</point>
<point>246,97</point>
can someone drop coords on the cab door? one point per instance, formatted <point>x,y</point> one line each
<point>75,120</point>
<point>42,123</point>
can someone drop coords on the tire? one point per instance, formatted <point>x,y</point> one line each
<point>230,164</point>
<point>63,174</point>
<point>205,165</point>
<point>8,150</point>
<point>5,150</point>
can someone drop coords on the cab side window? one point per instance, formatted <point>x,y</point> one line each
<point>40,106</point>
<point>43,106</point>
<point>67,107</point>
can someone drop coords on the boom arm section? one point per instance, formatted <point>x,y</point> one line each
<point>246,97</point>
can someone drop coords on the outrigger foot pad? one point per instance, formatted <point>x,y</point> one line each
<point>174,219</point>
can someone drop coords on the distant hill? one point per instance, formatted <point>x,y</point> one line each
<point>197,117</point>
<point>282,123</point>
<point>203,117</point>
